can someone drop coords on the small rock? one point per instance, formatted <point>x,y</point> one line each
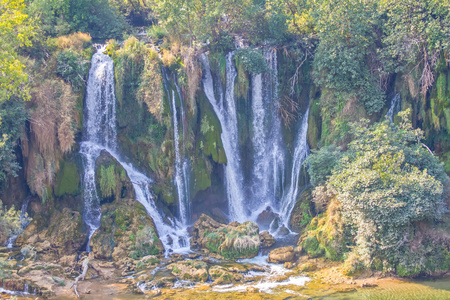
<point>289,265</point>
<point>368,284</point>
<point>266,239</point>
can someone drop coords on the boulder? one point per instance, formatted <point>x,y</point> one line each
<point>265,218</point>
<point>221,275</point>
<point>126,230</point>
<point>230,241</point>
<point>191,270</point>
<point>281,255</point>
<point>266,239</point>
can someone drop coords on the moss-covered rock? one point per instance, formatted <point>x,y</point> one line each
<point>67,180</point>
<point>222,275</point>
<point>191,270</point>
<point>231,241</point>
<point>126,230</point>
<point>302,212</point>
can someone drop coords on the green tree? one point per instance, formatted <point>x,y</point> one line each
<point>389,189</point>
<point>15,32</point>
<point>417,33</point>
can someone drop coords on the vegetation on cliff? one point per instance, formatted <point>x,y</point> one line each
<point>383,196</point>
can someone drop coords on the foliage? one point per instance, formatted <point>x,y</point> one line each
<point>253,60</point>
<point>416,34</point>
<point>98,17</point>
<point>387,184</point>
<point>12,120</point>
<point>10,223</point>
<point>347,32</point>
<point>71,67</point>
<point>321,163</point>
<point>15,31</point>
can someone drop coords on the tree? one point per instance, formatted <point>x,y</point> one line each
<point>389,190</point>
<point>15,32</point>
<point>416,33</point>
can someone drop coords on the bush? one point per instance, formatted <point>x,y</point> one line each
<point>72,68</point>
<point>390,192</point>
<point>10,223</point>
<point>253,60</point>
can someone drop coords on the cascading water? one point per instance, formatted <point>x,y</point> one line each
<point>225,108</point>
<point>266,181</point>
<point>268,166</point>
<point>395,107</point>
<point>100,134</point>
<point>100,129</point>
<point>300,153</point>
<point>181,176</point>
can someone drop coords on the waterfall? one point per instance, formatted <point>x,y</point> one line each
<point>300,153</point>
<point>100,134</point>
<point>225,109</point>
<point>180,175</point>
<point>395,107</point>
<point>99,129</point>
<point>268,161</point>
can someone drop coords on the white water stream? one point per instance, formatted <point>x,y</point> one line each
<point>100,134</point>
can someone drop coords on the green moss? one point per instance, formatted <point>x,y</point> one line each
<point>314,124</point>
<point>312,247</point>
<point>201,175</point>
<point>107,181</point>
<point>67,180</point>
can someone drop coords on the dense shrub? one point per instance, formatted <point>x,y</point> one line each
<point>389,190</point>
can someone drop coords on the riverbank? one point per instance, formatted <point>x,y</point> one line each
<point>252,279</point>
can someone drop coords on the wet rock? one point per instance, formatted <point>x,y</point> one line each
<point>221,275</point>
<point>281,255</point>
<point>266,239</point>
<point>265,218</point>
<point>230,241</point>
<point>191,270</point>
<point>283,230</point>
<point>367,284</point>
<point>302,212</point>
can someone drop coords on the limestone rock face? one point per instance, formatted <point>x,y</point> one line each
<point>192,270</point>
<point>231,241</point>
<point>281,255</point>
<point>65,234</point>
<point>266,239</point>
<point>126,230</point>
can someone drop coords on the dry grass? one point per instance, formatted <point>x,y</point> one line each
<point>77,41</point>
<point>194,74</point>
<point>43,118</point>
<point>66,117</point>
